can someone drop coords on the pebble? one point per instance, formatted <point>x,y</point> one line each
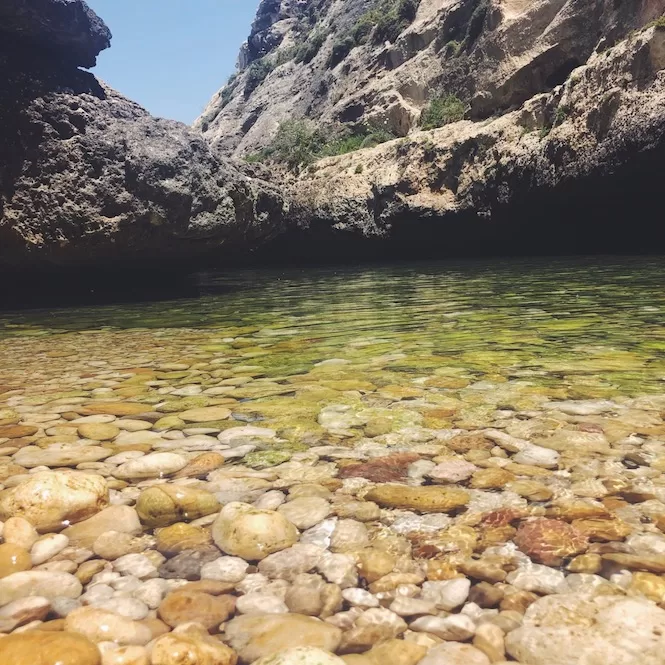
<point>114,655</point>
<point>18,531</point>
<point>349,536</point>
<point>571,629</point>
<point>123,519</point>
<point>455,628</point>
<point>537,578</point>
<point>190,648</point>
<point>259,636</point>
<point>38,583</point>
<point>339,569</point>
<point>100,625</point>
<point>305,512</point>
<point>138,565</point>
<point>51,648</point>
<point>301,656</point>
<point>51,499</point>
<point>47,547</point>
<point>167,504</point>
<point>184,606</point>
<point>154,465</point>
<point>23,611</point>
<point>242,530</point>
<point>225,569</point>
<point>261,603</point>
<point>13,559</point>
<point>361,598</point>
<point>291,562</point>
<point>447,595</point>
<point>98,431</point>
<point>180,537</point>
<point>453,653</point>
<point>425,499</point>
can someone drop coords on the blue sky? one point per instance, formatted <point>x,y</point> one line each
<point>171,56</point>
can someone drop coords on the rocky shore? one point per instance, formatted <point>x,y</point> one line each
<point>88,179</point>
<point>166,500</point>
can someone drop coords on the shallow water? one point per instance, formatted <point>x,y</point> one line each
<point>570,329</point>
<point>496,422</point>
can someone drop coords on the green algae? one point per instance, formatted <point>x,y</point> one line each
<point>433,346</point>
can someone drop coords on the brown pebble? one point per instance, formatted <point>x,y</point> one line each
<point>38,647</point>
<point>212,587</point>
<point>186,606</point>
<point>486,595</point>
<point>156,626</point>
<point>518,601</point>
<point>13,559</point>
<point>88,569</point>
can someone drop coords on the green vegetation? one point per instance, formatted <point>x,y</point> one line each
<point>560,116</point>
<point>384,22</point>
<point>307,51</point>
<point>658,23</point>
<point>359,169</point>
<point>453,48</point>
<point>257,74</point>
<point>298,143</point>
<point>443,111</point>
<point>461,35</point>
<point>229,89</point>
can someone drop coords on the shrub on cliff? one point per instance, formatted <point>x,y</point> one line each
<point>384,22</point>
<point>257,74</point>
<point>442,111</point>
<point>298,143</point>
<point>307,51</point>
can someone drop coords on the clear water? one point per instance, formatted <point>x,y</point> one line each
<point>471,337</point>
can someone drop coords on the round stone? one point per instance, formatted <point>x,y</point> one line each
<point>48,648</point>
<point>301,656</point>
<point>154,465</point>
<point>98,431</point>
<point>48,584</point>
<point>305,512</point>
<point>179,537</point>
<point>191,649</point>
<point>52,499</point>
<point>187,606</point>
<point>167,504</point>
<point>257,636</point>
<point>123,519</point>
<point>205,414</point>
<point>549,541</point>
<point>242,530</point>
<point>100,625</point>
<point>13,559</point>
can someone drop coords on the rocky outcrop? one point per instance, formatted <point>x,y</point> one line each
<point>379,62</point>
<point>599,137</point>
<point>88,177</point>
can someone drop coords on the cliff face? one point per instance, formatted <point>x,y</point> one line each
<point>380,62</point>
<point>533,123</point>
<point>88,177</point>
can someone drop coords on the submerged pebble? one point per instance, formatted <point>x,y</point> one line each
<point>298,486</point>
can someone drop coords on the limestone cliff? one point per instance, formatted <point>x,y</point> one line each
<point>539,122</point>
<point>380,62</point>
<point>88,177</point>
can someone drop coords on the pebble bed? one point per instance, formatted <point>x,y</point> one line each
<point>360,474</point>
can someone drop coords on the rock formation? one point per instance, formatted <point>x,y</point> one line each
<point>490,114</point>
<point>88,177</point>
<point>379,62</point>
<point>557,117</point>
